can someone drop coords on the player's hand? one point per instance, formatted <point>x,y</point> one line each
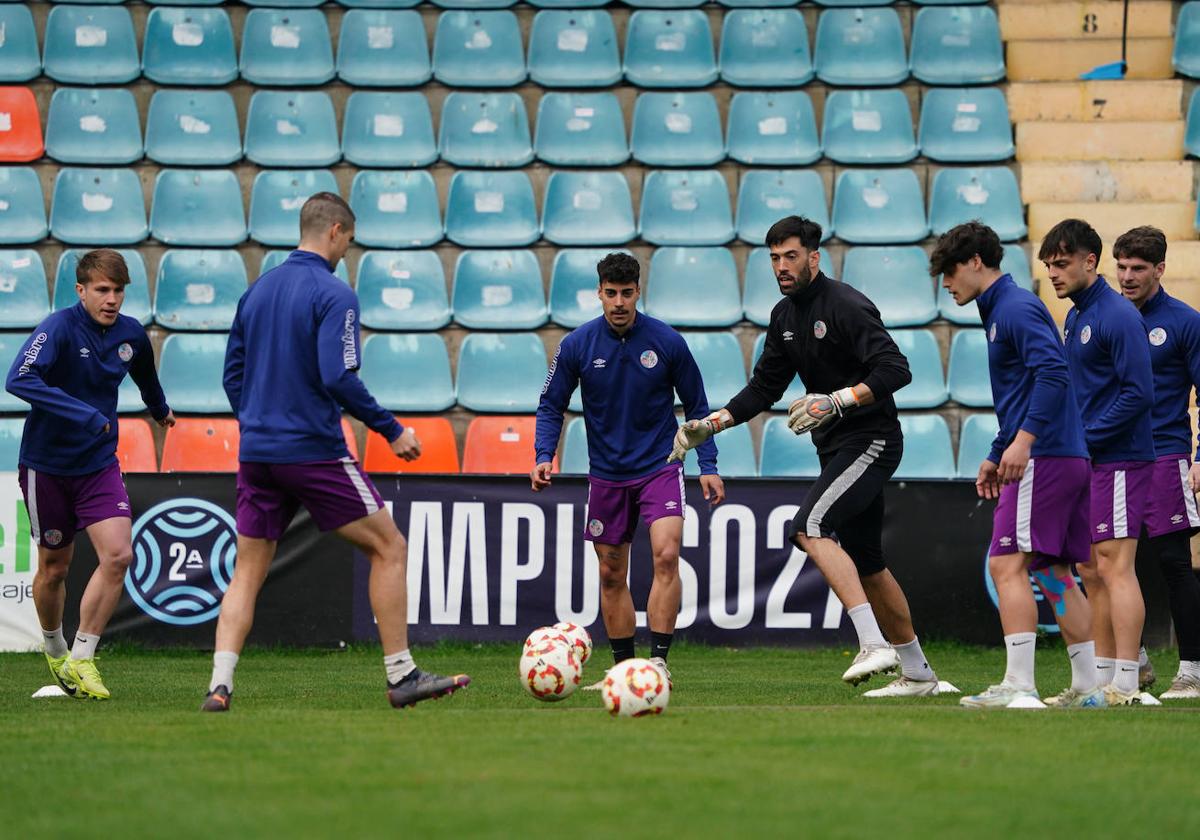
<point>539,476</point>
<point>1194,478</point>
<point>1014,461</point>
<point>714,489</point>
<point>407,446</point>
<point>692,433</point>
<point>168,421</point>
<point>107,428</point>
<point>987,484</point>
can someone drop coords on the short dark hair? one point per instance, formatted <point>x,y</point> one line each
<point>619,269</point>
<point>806,230</point>
<point>1070,236</point>
<point>104,261</point>
<point>1143,243</point>
<point>957,245</point>
<point>322,211</point>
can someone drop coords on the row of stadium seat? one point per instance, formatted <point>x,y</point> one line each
<point>497,209</point>
<point>298,129</point>
<point>540,4</point>
<point>575,48</point>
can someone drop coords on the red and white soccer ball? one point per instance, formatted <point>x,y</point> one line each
<point>634,688</point>
<point>580,638</point>
<point>549,670</point>
<point>553,633</point>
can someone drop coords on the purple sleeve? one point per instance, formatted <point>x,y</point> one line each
<point>26,380</point>
<point>561,381</point>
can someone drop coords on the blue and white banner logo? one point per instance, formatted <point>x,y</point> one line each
<point>183,556</point>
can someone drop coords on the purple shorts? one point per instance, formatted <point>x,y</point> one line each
<point>61,505</point>
<point>613,506</point>
<point>335,493</point>
<point>1172,504</point>
<point>1119,493</point>
<point>1046,513</point>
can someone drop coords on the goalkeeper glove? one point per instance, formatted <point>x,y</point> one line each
<point>692,433</point>
<point>812,411</point>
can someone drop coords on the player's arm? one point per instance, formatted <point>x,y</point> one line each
<point>561,381</point>
<point>145,376</point>
<point>1130,351</point>
<point>689,384</point>
<point>1036,341</point>
<point>235,363</point>
<point>27,381</point>
<point>1189,346</point>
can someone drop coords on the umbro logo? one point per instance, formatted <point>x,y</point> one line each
<point>84,353</point>
<point>1006,541</point>
<point>1176,518</point>
<point>599,363</point>
<point>671,505</point>
<point>787,335</point>
<point>122,505</point>
<point>1102,528</point>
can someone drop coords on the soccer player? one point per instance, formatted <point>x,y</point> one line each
<point>629,367</point>
<point>1037,468</point>
<point>69,371</point>
<point>1109,359</point>
<point>831,335</point>
<point>1171,514</point>
<point>290,368</point>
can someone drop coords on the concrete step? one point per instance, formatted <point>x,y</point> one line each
<point>1174,218</point>
<point>1129,100</point>
<point>1139,141</point>
<point>1153,181</point>
<point>1087,21</point>
<point>1032,61</point>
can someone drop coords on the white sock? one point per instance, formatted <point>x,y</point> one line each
<point>1104,671</point>
<point>56,644</point>
<point>398,666</point>
<point>1187,668</point>
<point>85,646</point>
<point>1143,658</point>
<point>1083,666</point>
<point>865,625</point>
<point>224,661</point>
<point>1125,677</point>
<point>1019,671</point>
<point>912,661</point>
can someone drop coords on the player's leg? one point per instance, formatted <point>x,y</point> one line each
<point>611,522</point>
<point>51,520</point>
<point>661,502</point>
<point>1173,554</point>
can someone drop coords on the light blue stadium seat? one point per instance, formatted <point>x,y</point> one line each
<point>860,47</point>
<point>485,130</point>
<point>289,4</point>
<point>968,378</point>
<point>896,279</point>
<point>1191,141</point>
<point>575,49</point>
<point>879,206</point>
<point>478,49</point>
<point>686,207</point>
<point>1014,262</point>
<point>11,429</point>
<point>276,199</point>
<point>756,4</point>
<point>669,49</point>
<point>499,290</point>
<point>693,287</point>
<point>761,290</point>
<point>975,443</point>
<point>137,293</point>
<point>794,391</point>
<point>294,128</point>
<point>949,2</point>
<point>98,206</point>
<point>11,344</point>
<point>93,126</point>
<point>191,47</point>
<point>383,48</point>
<point>735,454</point>
<point>785,454</point>
<point>402,290</point>
<point>491,210</point>
<point>773,129</point>
<point>868,126</point>
<point>388,129</point>
<point>1186,57</point>
<point>987,193</point>
<point>966,125</point>
<point>677,129</point>
<point>927,450</point>
<point>379,4</point>
<point>588,208</point>
<point>580,129</point>
<point>574,283</point>
<point>198,290</point>
<point>187,2</point>
<point>19,58</point>
<point>408,371</point>
<point>286,47</point>
<point>501,373</point>
<point>957,45</point>
<point>23,299</point>
<point>191,366</point>
<point>273,258</point>
<point>765,48</point>
<point>719,357</point>
<point>198,207</point>
<point>90,45</point>
<point>22,207</point>
<point>574,459</point>
<point>395,209</point>
<point>928,386</point>
<point>193,128</point>
<point>765,196</point>
<point>567,4</point>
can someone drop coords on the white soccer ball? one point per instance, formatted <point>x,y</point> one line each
<point>580,638</point>
<point>634,688</point>
<point>554,633</point>
<point>549,670</point>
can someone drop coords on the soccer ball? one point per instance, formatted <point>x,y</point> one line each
<point>580,638</point>
<point>553,633</point>
<point>549,670</point>
<point>634,688</point>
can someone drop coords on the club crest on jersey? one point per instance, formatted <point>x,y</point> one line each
<point>1085,334</point>
<point>52,537</point>
<point>595,527</point>
<point>125,351</point>
<point>649,359</point>
<point>992,333</point>
<point>1158,336</point>
<point>819,329</point>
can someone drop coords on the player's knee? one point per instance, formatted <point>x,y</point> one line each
<point>666,564</point>
<point>612,576</point>
<point>117,561</point>
<point>1006,567</point>
<point>53,571</point>
<point>869,566</point>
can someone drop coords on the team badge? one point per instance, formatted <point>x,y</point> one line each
<point>1158,336</point>
<point>52,537</point>
<point>1085,335</point>
<point>595,527</point>
<point>819,329</point>
<point>992,333</point>
<point>125,351</point>
<point>649,359</point>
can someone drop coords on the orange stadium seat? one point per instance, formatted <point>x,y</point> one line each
<point>439,449</point>
<point>201,444</point>
<point>500,446</point>
<point>20,126</point>
<point>135,447</point>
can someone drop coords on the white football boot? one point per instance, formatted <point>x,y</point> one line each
<point>881,659</point>
<point>997,696</point>
<point>904,686</point>
<point>1183,687</point>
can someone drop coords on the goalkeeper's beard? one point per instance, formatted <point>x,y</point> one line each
<point>802,280</point>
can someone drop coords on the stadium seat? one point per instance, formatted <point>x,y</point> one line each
<point>677,129</point>
<point>136,452</point>
<point>271,259</point>
<point>719,357</point>
<point>402,290</point>
<point>928,386</point>
<point>129,398</point>
<point>957,45</point>
<point>575,49</point>
<point>10,344</point>
<point>478,49</point>
<point>965,125</point>
<point>491,210</point>
<point>98,206</point>
<point>879,206</point>
<point>286,47</point>
<point>388,130</point>
<point>276,199</point>
<point>860,48</point>
<point>498,290</point>
<point>765,196</point>
<point>968,378</point>
<point>500,372</point>
<point>137,293</point>
<point>193,128</point>
<point>896,279</point>
<point>735,455</point>
<point>485,130</point>
<point>201,444</point>
<point>574,283</point>
<point>765,48</point>
<point>580,129</point>
<point>408,371</point>
<point>868,126</point>
<point>383,48</point>
<point>11,429</point>
<point>693,287</point>
<point>785,454</point>
<point>499,446</point>
<point>293,128</point>
<point>927,450</point>
<point>22,208</point>
<point>567,4</point>
<point>395,209</point>
<point>439,448</point>
<point>190,367</point>
<point>975,442</point>
<point>686,208</point>
<point>1014,262</point>
<point>23,299</point>
<point>90,45</point>
<point>198,207</point>
<point>1191,141</point>
<point>198,289</point>
<point>93,126</point>
<point>379,4</point>
<point>575,460</point>
<point>20,125</point>
<point>1186,57</point>
<point>588,208</point>
<point>988,193</point>
<point>762,290</point>
<point>794,391</point>
<point>19,59</point>
<point>756,4</point>
<point>669,49</point>
<point>192,47</point>
<point>773,129</point>
<point>291,4</point>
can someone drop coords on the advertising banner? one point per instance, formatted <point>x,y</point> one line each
<point>19,628</point>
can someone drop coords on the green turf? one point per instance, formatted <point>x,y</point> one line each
<point>757,742</point>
